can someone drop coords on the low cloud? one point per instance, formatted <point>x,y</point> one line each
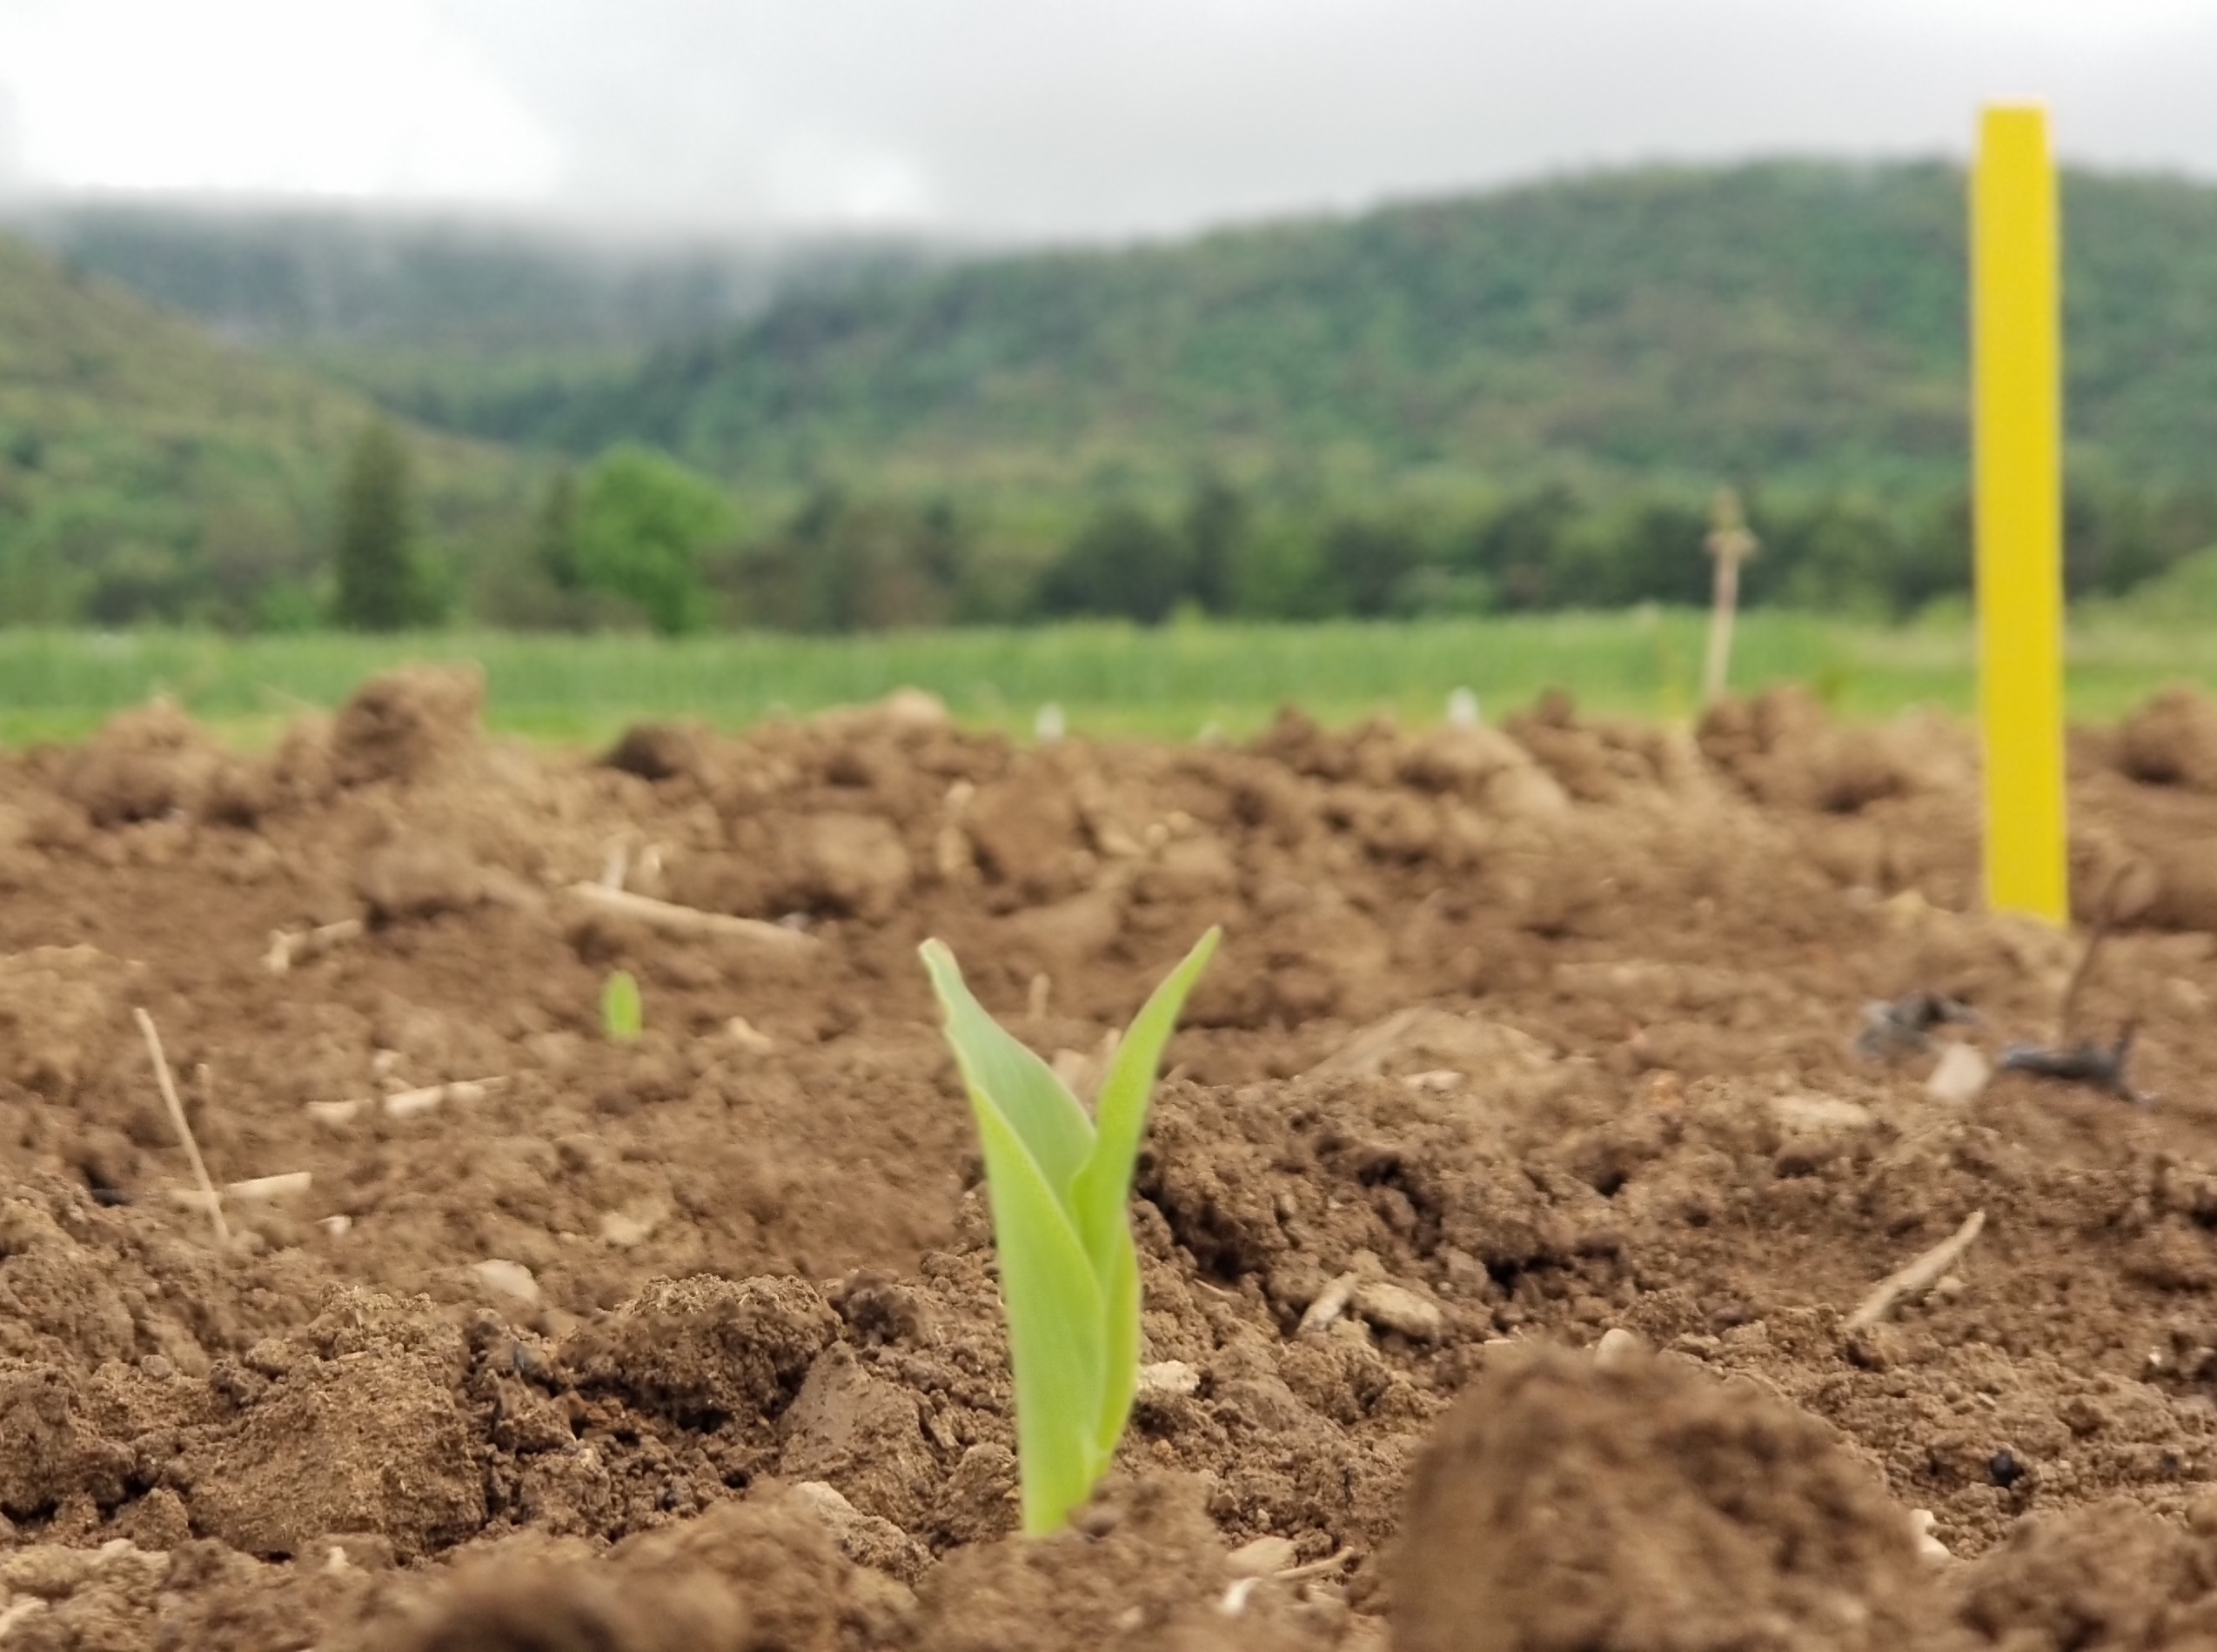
<point>1076,119</point>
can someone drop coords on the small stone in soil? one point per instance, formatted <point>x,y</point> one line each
<point>1395,1308</point>
<point>1262,1557</point>
<point>507,1279</point>
<point>1921,1522</point>
<point>1960,1077</point>
<point>1616,1347</point>
<point>1329,1305</point>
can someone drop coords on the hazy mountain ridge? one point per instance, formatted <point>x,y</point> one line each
<point>464,322</point>
<point>144,463</point>
<point>1514,399</point>
<point>1778,321</point>
<point>1773,322</point>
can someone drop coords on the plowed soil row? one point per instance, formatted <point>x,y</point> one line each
<point>1520,1038</point>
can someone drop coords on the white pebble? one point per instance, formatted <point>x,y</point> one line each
<point>1169,1376</point>
<point>624,1229</point>
<point>1921,1523</point>
<point>1616,1348</point>
<point>1262,1556</point>
<point>824,1495</point>
<point>742,1033</point>
<point>1330,1304</point>
<point>1395,1308</point>
<point>1962,1076</point>
<point>512,1280</point>
<point>1440,1080</point>
<point>1821,1112</point>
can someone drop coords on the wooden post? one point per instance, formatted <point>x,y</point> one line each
<point>2017,423</point>
<point>1729,543</point>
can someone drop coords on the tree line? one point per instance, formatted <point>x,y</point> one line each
<point>636,540</point>
<point>640,542</point>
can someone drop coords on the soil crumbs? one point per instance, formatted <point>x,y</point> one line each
<point>1510,1217</point>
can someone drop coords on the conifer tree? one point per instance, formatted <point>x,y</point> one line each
<point>379,586</point>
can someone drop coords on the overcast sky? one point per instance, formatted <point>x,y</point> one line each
<point>1033,119</point>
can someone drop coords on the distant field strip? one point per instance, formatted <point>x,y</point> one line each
<point>1172,682</point>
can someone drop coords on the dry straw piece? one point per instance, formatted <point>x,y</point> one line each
<point>185,1131</point>
<point>291,946</point>
<point>668,916</point>
<point>1907,1284</point>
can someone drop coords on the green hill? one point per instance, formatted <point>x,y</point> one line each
<point>1520,399</point>
<point>1777,322</point>
<point>148,470</point>
<point>469,325</point>
<point>1782,323</point>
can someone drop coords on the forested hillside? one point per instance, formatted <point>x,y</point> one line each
<point>473,326</point>
<point>1780,322</point>
<point>1514,400</point>
<point>147,468</point>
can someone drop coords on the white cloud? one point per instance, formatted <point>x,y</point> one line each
<point>825,180</point>
<point>11,148</point>
<point>1052,117</point>
<point>2077,22</point>
<point>266,97</point>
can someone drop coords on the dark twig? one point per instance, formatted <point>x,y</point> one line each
<point>1894,1032</point>
<point>2105,920</point>
<point>2085,1063</point>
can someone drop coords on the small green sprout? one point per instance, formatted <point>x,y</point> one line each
<point>1059,1183</point>
<point>622,1013</point>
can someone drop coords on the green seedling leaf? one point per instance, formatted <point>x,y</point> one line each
<point>621,1014</point>
<point>1056,1331</point>
<point>1101,1197</point>
<point>1023,1089</point>
<point>1060,1185</point>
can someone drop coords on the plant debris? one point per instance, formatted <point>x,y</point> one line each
<point>1897,1030</point>
<point>2085,1063</point>
<point>1907,1283</point>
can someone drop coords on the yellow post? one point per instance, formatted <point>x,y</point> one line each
<point>2017,350</point>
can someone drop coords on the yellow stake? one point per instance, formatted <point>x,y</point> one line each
<point>2018,426</point>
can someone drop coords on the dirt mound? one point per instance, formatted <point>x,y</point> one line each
<point>767,1573</point>
<point>63,1017</point>
<point>1529,1033</point>
<point>1147,1571</point>
<point>2171,740</point>
<point>1784,749</point>
<point>1638,1502</point>
<point>403,726</point>
<point>143,765</point>
<point>1145,1563</point>
<point>2114,1577</point>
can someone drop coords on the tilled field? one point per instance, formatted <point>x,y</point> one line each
<point>1542,1066</point>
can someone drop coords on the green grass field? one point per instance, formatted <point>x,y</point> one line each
<point>1109,681</point>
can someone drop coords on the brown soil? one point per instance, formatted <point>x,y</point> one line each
<point>1518,1038</point>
